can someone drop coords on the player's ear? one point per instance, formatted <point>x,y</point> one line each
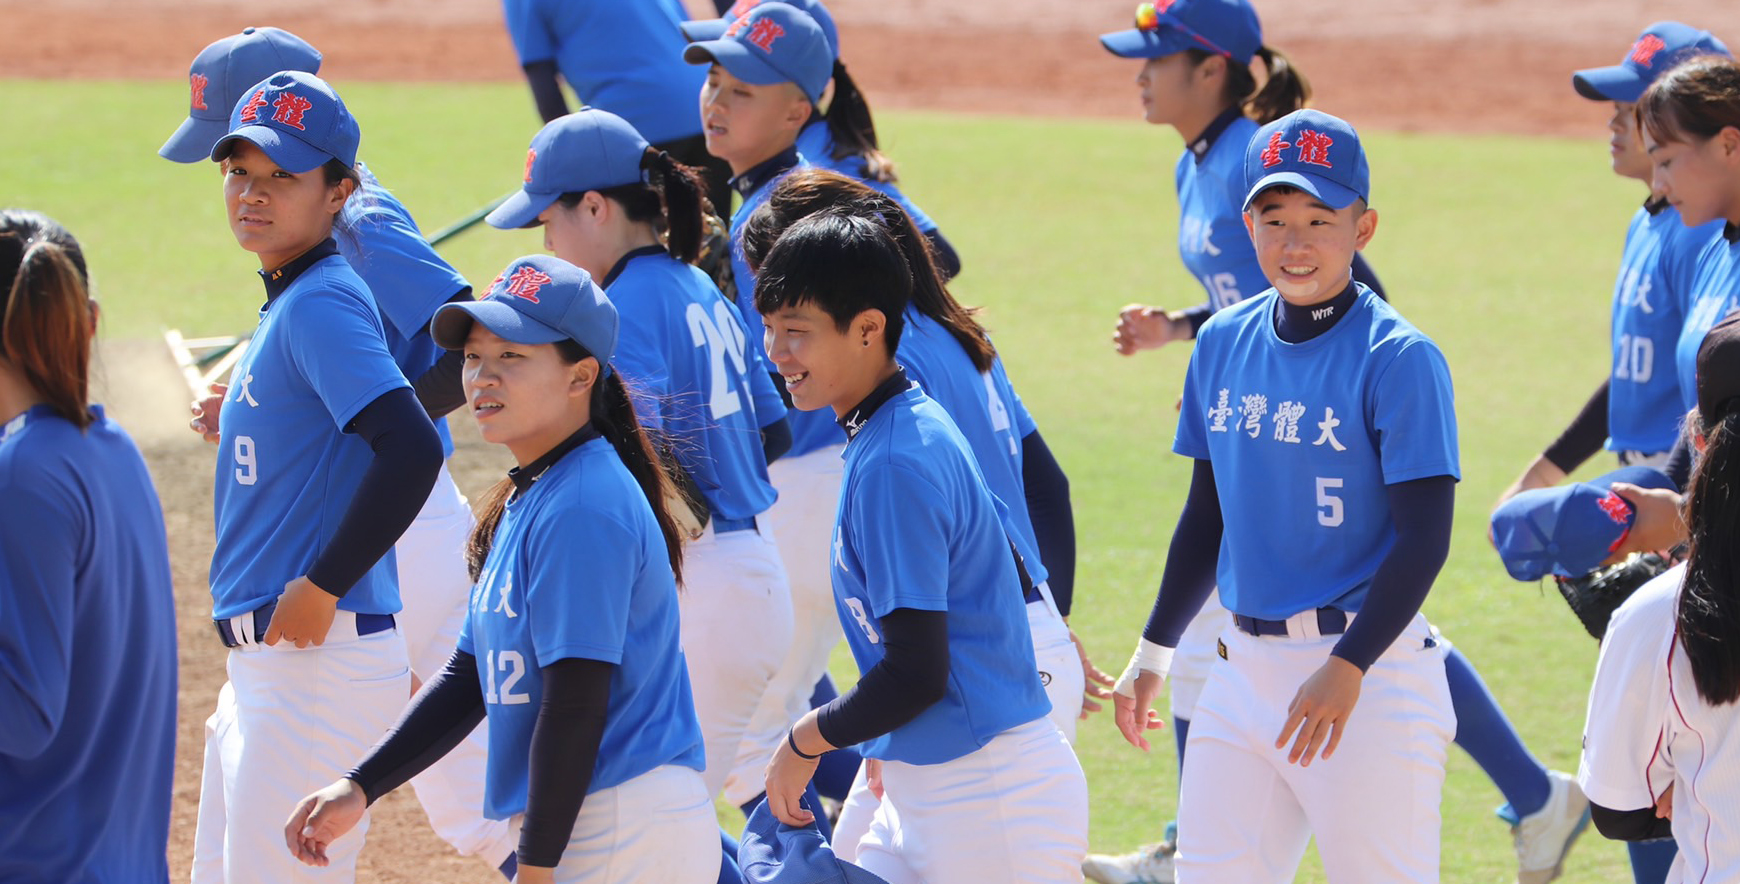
<point>585,374</point>
<point>1211,68</point>
<point>1728,140</point>
<point>1250,223</point>
<point>339,193</point>
<point>798,113</point>
<point>594,203</point>
<point>869,326</point>
<point>1364,228</point>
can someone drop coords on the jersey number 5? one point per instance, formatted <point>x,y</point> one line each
<point>723,338</point>
<point>1328,505</point>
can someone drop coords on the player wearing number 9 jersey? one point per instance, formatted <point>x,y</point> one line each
<point>683,350</point>
<point>1324,435</point>
<point>325,457</point>
<point>570,653</point>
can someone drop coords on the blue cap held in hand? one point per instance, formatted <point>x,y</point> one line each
<point>1312,151</point>
<point>538,299</point>
<point>1569,530</point>
<point>775,853</point>
<point>589,149</point>
<point>217,77</point>
<point>296,119</point>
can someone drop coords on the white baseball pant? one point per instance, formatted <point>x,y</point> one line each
<point>657,827</point>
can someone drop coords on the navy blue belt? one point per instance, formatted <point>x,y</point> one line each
<point>1032,594</point>
<point>1330,621</point>
<point>366,624</point>
<point>727,526</point>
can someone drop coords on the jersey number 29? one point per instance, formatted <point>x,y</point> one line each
<point>723,338</point>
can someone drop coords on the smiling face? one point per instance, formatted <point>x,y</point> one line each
<point>1700,178</point>
<point>823,366</point>
<point>524,396</point>
<point>745,124</point>
<point>1305,247</point>
<point>273,213</point>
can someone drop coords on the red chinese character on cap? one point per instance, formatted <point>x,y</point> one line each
<point>289,108</point>
<point>526,282</point>
<point>1314,148</point>
<point>531,157</point>
<point>197,83</point>
<point>764,33</point>
<point>1615,507</point>
<point>1272,153</point>
<point>250,111</point>
<point>1647,46</point>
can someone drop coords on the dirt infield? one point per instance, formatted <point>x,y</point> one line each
<point>1416,65</point>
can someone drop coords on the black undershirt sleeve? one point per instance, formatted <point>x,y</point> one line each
<point>1190,561</point>
<point>776,439</point>
<point>1629,825</point>
<point>1584,437</point>
<point>1362,272</point>
<point>563,755</point>
<point>1422,511</point>
<point>1196,316</point>
<point>546,90</point>
<point>1048,504</point>
<point>1680,461</point>
<point>948,261</point>
<point>442,714</point>
<point>441,389</point>
<point>912,676</point>
<point>407,459</point>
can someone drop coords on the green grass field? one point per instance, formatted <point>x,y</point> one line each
<point>1502,249</point>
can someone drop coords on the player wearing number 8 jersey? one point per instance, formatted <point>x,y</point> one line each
<point>1324,436</point>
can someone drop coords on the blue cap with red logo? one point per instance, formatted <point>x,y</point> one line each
<point>775,853</point>
<point>1660,46</point>
<point>1568,530</point>
<point>772,43</point>
<point>217,77</point>
<point>714,28</point>
<point>1310,150</point>
<point>297,120</point>
<point>589,149</point>
<point>538,299</point>
<point>1166,27</point>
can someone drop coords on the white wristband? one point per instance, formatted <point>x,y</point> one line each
<point>1149,657</point>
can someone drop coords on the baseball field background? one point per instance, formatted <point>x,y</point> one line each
<point>1499,234</point>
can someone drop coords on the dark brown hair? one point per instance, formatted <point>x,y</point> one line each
<point>1284,89</point>
<point>853,129</point>
<point>45,322</point>
<point>1708,615</point>
<point>1695,99</point>
<point>673,198</point>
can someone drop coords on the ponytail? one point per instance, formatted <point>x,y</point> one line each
<point>671,196</point>
<point>46,320</point>
<point>1284,89</point>
<point>1709,604</point>
<point>852,128</point>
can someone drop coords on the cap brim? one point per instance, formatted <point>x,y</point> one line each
<point>192,142</point>
<point>1616,83</point>
<point>736,58</point>
<point>1642,477</point>
<point>702,30</point>
<point>452,324</point>
<point>520,210</point>
<point>292,154</point>
<point>1135,43</point>
<point>1520,517</point>
<point>1328,192</point>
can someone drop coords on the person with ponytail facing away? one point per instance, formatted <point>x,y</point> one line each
<point>87,616</point>
<point>570,652</point>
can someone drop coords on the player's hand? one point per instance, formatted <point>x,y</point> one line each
<point>1099,683</point>
<point>1659,525</point>
<point>205,413</point>
<point>535,875</point>
<point>304,614</point>
<point>1135,714</point>
<point>873,777</point>
<point>321,818</point>
<point>1320,710</point>
<point>1664,804</point>
<point>788,773</point>
<point>1147,328</point>
<point>1540,474</point>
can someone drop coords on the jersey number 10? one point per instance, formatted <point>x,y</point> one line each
<point>723,338</point>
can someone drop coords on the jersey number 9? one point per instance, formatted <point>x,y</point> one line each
<point>247,470</point>
<point>723,338</point>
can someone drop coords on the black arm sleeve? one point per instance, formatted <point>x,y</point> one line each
<point>948,261</point>
<point>442,714</point>
<point>546,91</point>
<point>1680,461</point>
<point>1190,561</point>
<point>1047,492</point>
<point>776,439</point>
<point>1197,316</point>
<point>1629,825</point>
<point>563,755</point>
<point>724,6</point>
<point>1422,510</point>
<point>1585,435</point>
<point>407,460</point>
<point>441,389</point>
<point>1362,272</point>
<point>912,676</point>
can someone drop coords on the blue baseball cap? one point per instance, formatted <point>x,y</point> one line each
<point>1165,27</point>
<point>1568,530</point>
<point>538,299</point>
<point>772,43</point>
<point>714,28</point>
<point>217,77</point>
<point>1310,150</point>
<point>296,119</point>
<point>772,852</point>
<point>1660,46</point>
<point>589,149</point>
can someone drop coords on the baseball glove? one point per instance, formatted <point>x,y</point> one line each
<point>1594,596</point>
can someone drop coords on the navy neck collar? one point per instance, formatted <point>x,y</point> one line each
<point>853,421</point>
<point>765,171</point>
<point>277,281</point>
<point>523,477</point>
<point>1297,324</point>
<point>1209,136</point>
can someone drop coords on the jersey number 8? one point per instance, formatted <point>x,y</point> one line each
<point>723,338</point>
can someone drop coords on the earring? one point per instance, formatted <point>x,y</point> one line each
<point>866,343</point>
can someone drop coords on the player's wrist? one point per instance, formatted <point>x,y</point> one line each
<point>1149,657</point>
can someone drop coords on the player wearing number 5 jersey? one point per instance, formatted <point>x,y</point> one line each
<point>324,458</point>
<point>570,653</point>
<point>1324,436</point>
<point>683,349</point>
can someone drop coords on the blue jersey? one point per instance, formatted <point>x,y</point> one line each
<point>683,348</point>
<point>623,56</point>
<point>810,430</point>
<point>286,468</point>
<point>408,280</point>
<point>917,528</point>
<point>578,570</point>
<point>1212,238</point>
<point>87,656</point>
<point>816,144</point>
<point>1649,309</point>
<point>1303,439</point>
<point>986,410</point>
<point>1715,292</point>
